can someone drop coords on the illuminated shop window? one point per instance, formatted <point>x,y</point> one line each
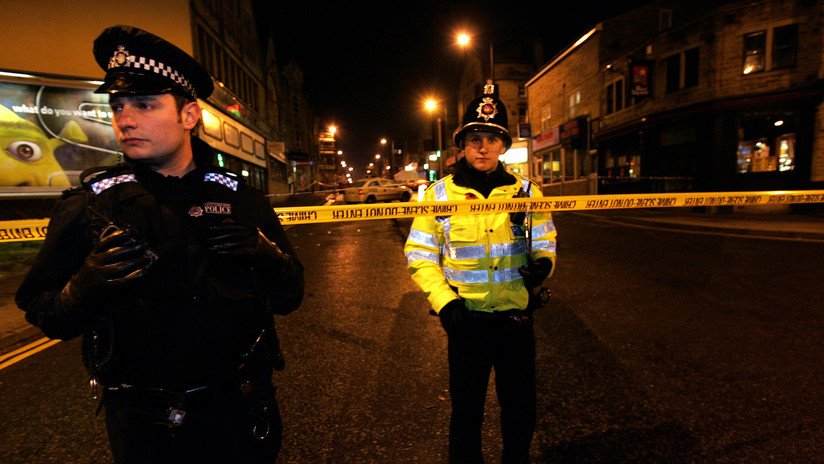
<point>551,167</point>
<point>622,167</point>
<point>766,143</point>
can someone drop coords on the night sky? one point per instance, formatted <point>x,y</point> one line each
<point>368,64</point>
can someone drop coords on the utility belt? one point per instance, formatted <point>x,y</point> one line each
<point>170,408</point>
<point>507,318</point>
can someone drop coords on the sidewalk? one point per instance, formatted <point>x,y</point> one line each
<point>15,331</point>
<point>776,225</point>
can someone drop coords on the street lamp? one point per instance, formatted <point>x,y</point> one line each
<point>463,40</point>
<point>391,158</point>
<point>431,106</point>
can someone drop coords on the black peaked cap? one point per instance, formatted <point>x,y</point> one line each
<point>140,63</point>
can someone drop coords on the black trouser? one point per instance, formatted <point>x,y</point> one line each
<point>217,428</point>
<point>492,341</point>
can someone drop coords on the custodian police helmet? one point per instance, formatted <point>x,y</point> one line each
<point>140,63</point>
<point>486,113</point>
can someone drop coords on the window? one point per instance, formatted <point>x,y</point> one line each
<point>546,119</point>
<point>551,167</point>
<point>615,96</point>
<point>682,70</point>
<point>773,48</point>
<point>619,95</point>
<point>754,51</point>
<point>766,143</point>
<point>691,68</point>
<point>574,103</point>
<point>521,89</point>
<point>673,73</point>
<point>784,45</point>
<point>664,19</point>
<point>522,114</point>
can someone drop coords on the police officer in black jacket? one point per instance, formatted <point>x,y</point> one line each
<point>172,271</point>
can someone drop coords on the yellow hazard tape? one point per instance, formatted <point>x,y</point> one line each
<point>35,229</point>
<point>21,230</point>
<point>306,215</point>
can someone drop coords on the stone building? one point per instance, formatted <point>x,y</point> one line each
<point>685,95</point>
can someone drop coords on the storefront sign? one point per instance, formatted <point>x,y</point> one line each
<point>640,78</point>
<point>574,131</point>
<point>546,139</point>
<point>524,130</point>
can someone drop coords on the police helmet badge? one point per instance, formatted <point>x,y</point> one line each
<point>485,113</point>
<point>487,109</point>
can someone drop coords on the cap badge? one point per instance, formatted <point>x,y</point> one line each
<point>120,57</point>
<point>487,109</point>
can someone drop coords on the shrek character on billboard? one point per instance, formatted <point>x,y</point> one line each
<point>27,154</point>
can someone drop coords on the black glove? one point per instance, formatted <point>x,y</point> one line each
<point>454,316</point>
<point>245,242</point>
<point>535,272</point>
<point>117,261</point>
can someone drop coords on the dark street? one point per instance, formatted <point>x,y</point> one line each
<point>658,346</point>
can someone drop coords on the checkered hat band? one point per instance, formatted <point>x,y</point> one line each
<point>225,181</point>
<point>105,184</point>
<point>149,64</point>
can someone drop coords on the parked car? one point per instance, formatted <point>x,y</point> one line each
<point>372,190</point>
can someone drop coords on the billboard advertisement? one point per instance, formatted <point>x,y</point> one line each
<point>49,134</point>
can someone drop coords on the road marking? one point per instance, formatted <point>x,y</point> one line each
<point>20,354</point>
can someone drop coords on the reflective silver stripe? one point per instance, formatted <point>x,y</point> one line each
<point>525,186</point>
<point>440,192</point>
<point>543,229</point>
<point>423,238</point>
<point>466,277</point>
<point>546,245</point>
<point>105,184</point>
<point>466,252</point>
<point>505,275</point>
<point>421,255</point>
<point>499,250</point>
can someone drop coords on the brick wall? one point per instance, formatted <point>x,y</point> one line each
<point>578,71</point>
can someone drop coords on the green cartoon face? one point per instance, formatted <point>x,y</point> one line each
<point>27,155</point>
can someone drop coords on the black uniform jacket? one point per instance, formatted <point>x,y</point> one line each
<point>193,315</point>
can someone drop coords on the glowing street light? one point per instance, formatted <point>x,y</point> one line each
<point>431,106</point>
<point>464,39</point>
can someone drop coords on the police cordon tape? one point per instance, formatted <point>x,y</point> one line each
<point>35,229</point>
<point>310,214</point>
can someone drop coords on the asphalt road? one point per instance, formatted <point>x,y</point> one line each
<point>657,347</point>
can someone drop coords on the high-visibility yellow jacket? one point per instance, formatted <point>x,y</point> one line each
<point>476,256</point>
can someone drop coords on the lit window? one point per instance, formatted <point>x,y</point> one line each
<point>546,119</point>
<point>754,51</point>
<point>574,103</point>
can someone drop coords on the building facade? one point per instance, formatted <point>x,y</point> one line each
<point>679,96</point>
<point>241,118</point>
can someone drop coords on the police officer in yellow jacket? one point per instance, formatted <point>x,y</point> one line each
<point>477,273</point>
